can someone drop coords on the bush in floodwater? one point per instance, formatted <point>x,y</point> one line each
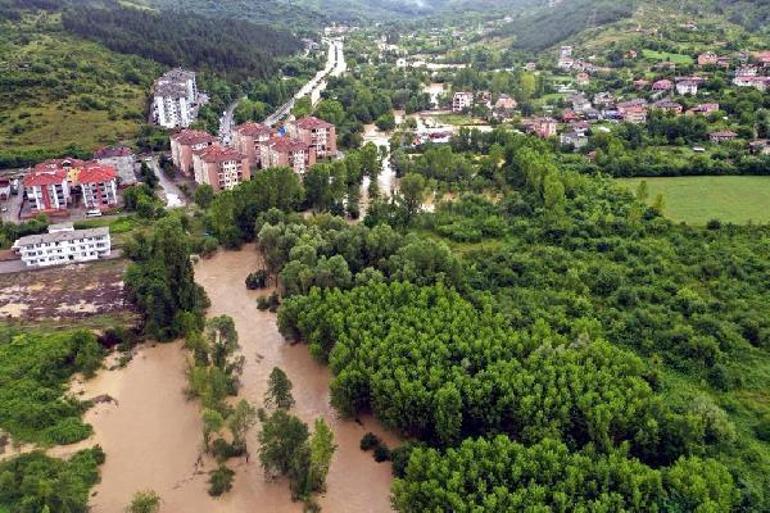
<point>257,280</point>
<point>271,302</point>
<point>220,481</point>
<point>369,441</point>
<point>223,451</point>
<point>381,453</point>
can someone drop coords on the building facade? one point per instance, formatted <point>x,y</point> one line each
<point>62,245</point>
<point>99,186</point>
<point>175,99</point>
<point>184,143</point>
<point>316,133</point>
<point>122,159</point>
<point>286,151</point>
<point>461,101</point>
<point>220,167</point>
<point>249,137</point>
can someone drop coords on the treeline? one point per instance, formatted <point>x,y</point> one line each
<point>229,47</point>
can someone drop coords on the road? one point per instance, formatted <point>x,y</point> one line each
<point>226,122</point>
<point>335,66</point>
<point>171,193</point>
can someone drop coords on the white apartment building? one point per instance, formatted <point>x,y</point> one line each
<point>176,99</point>
<point>461,101</point>
<point>62,245</point>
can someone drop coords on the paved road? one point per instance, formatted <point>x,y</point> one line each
<point>335,66</point>
<point>171,193</point>
<point>226,122</point>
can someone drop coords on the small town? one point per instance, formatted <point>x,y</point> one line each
<point>385,257</point>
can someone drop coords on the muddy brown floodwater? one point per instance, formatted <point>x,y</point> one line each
<point>355,483</point>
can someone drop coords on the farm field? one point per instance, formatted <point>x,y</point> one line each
<point>664,56</point>
<point>698,199</point>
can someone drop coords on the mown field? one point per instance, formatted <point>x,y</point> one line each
<point>698,199</point>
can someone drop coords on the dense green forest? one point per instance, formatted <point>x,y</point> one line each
<point>234,48</point>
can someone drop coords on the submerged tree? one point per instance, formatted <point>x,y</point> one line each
<point>278,393</point>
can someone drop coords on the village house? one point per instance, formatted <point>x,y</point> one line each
<point>63,245</point>
<point>579,102</point>
<point>530,66</point>
<point>462,101</point>
<point>641,84</point>
<point>505,102</point>
<point>704,109</point>
<point>175,99</point>
<point>248,138</point>
<point>669,106</point>
<point>541,127</point>
<point>286,151</point>
<point>760,147</point>
<point>5,188</point>
<point>747,71</point>
<point>722,136</point>
<point>763,58</point>
<point>604,99</point>
<point>662,85</point>
<point>686,87</point>
<point>577,140</point>
<point>184,143</point>
<point>583,79</point>
<point>569,116</point>
<point>320,135</point>
<point>707,59</point>
<point>220,167</point>
<point>122,159</point>
<point>758,83</point>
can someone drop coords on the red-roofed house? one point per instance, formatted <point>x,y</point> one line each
<point>247,139</point>
<point>541,127</point>
<point>47,189</point>
<point>317,133</point>
<point>704,108</point>
<point>286,151</point>
<point>722,136</point>
<point>99,185</point>
<point>184,143</point>
<point>663,85</point>
<point>220,167</point>
<point>708,59</point>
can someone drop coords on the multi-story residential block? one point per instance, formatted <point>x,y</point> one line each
<point>248,137</point>
<point>286,151</point>
<point>98,185</point>
<point>62,245</point>
<point>47,190</point>
<point>220,167</point>
<point>577,140</point>
<point>541,127</point>
<point>122,159</point>
<point>184,143</point>
<point>316,133</point>
<point>175,99</point>
<point>686,87</point>
<point>461,101</point>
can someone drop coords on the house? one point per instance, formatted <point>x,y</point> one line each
<point>604,99</point>
<point>579,102</point>
<point>641,84</point>
<point>760,147</point>
<point>747,71</point>
<point>669,106</point>
<point>707,59</point>
<point>63,245</point>
<point>662,85</point>
<point>5,189</point>
<point>47,189</point>
<point>577,140</point>
<point>286,151</point>
<point>565,57</point>
<point>722,136</point>
<point>631,54</point>
<point>122,159</point>
<point>568,116</point>
<point>686,87</point>
<point>461,101</point>
<point>763,58</point>
<point>99,186</point>
<point>634,114</point>
<point>704,109</point>
<point>505,102</point>
<point>184,143</point>
<point>220,167</point>
<point>530,66</point>
<point>758,83</point>
<point>176,99</point>
<point>583,79</point>
<point>247,139</point>
<point>320,135</point>
<point>541,127</point>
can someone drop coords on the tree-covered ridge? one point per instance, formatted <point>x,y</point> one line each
<point>546,476</point>
<point>234,48</point>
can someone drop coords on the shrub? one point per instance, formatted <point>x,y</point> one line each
<point>369,441</point>
<point>257,280</point>
<point>381,453</point>
<point>220,481</point>
<point>223,451</point>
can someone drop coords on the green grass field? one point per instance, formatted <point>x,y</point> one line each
<point>698,199</point>
<point>676,58</point>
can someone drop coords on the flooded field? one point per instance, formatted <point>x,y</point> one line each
<point>356,483</point>
<point>67,293</point>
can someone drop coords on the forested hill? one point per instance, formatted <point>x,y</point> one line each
<point>233,48</point>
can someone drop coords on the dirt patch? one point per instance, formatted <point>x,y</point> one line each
<point>68,293</point>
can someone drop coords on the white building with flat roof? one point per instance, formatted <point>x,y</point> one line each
<point>64,245</point>
<point>175,99</point>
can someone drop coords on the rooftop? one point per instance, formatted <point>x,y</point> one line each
<point>62,236</point>
<point>113,151</point>
<point>312,122</point>
<point>287,144</point>
<point>217,153</point>
<point>189,137</point>
<point>253,129</point>
<point>96,173</point>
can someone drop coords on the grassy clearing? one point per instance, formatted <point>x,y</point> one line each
<point>676,58</point>
<point>698,199</point>
<point>458,119</point>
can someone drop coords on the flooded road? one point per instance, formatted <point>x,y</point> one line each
<point>355,483</point>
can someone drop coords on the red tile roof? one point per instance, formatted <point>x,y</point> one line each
<point>217,153</point>
<point>55,164</point>
<point>44,177</point>
<point>253,129</point>
<point>190,137</point>
<point>312,122</point>
<point>113,151</point>
<point>97,173</point>
<point>287,144</point>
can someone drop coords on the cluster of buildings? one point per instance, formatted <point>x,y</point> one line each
<point>52,186</point>
<point>176,99</point>
<point>501,109</point>
<point>62,245</point>
<point>298,145</point>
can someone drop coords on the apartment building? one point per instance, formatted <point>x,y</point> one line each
<point>99,186</point>
<point>175,99</point>
<point>122,159</point>
<point>62,245</point>
<point>184,143</point>
<point>287,151</point>
<point>461,101</point>
<point>220,167</point>
<point>316,133</point>
<point>47,190</point>
<point>247,139</point>
<point>51,185</point>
